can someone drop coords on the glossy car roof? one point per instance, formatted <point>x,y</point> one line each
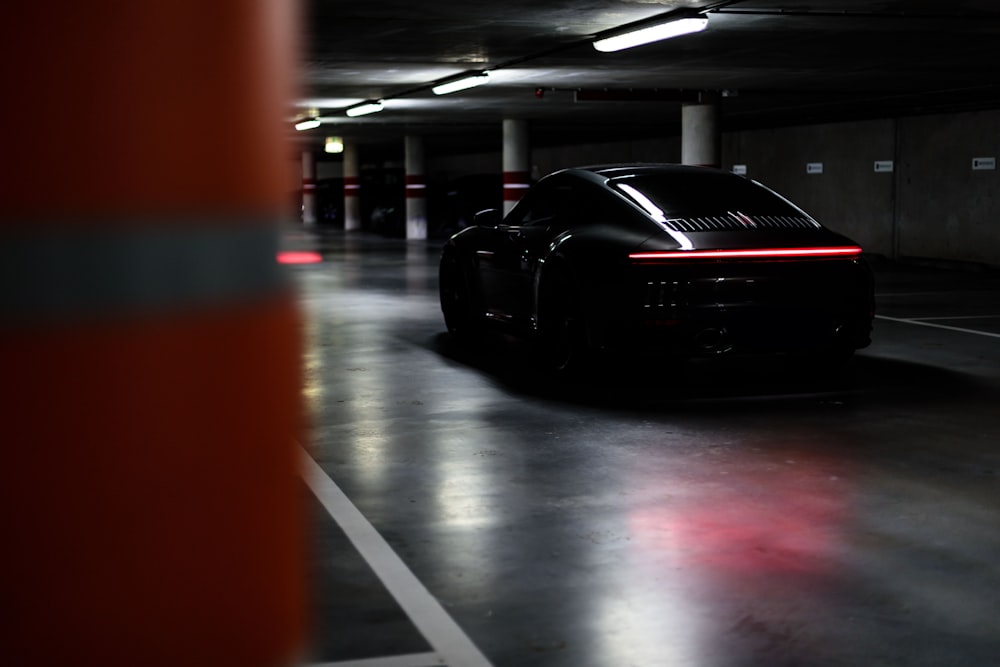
<point>612,170</point>
<point>603,172</point>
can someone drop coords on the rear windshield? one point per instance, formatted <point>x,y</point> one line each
<point>681,195</point>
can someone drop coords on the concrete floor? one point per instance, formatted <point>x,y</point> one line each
<point>726,516</point>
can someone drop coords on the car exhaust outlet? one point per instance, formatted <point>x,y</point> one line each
<point>713,339</point>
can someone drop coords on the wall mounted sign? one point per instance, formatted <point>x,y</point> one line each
<point>740,169</point>
<point>883,166</point>
<point>814,167</point>
<point>984,163</point>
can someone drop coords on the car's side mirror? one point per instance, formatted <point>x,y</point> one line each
<point>490,217</point>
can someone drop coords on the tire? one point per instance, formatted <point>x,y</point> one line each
<point>457,303</point>
<point>564,349</point>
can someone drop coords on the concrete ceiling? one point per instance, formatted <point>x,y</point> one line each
<point>778,62</point>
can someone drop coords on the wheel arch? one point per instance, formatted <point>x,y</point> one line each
<point>593,266</point>
<point>559,273</point>
<point>469,324</point>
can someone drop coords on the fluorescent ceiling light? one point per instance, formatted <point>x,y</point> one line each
<point>653,33</point>
<point>307,124</point>
<point>467,81</point>
<point>365,108</point>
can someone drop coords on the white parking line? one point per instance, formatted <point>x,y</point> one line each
<point>451,645</point>
<point>880,295</point>
<point>957,317</point>
<point>938,326</point>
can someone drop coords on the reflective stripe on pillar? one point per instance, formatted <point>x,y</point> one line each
<point>515,183</point>
<point>415,186</point>
<point>416,202</point>
<point>308,188</point>
<point>700,137</point>
<point>352,187</point>
<point>150,497</point>
<point>516,162</point>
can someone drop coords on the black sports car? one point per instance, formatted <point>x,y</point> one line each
<point>687,261</point>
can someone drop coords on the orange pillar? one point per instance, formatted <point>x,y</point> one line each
<point>149,498</point>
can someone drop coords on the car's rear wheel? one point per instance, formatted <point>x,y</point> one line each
<point>457,304</point>
<point>563,327</point>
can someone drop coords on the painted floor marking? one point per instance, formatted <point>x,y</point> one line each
<point>451,645</point>
<point>879,295</point>
<point>938,326</point>
<point>412,660</point>
<point>958,317</point>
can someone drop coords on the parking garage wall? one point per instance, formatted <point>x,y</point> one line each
<point>654,149</point>
<point>929,204</point>
<point>947,209</point>
<point>545,160</point>
<point>828,170</point>
<point>932,205</point>
<point>449,167</point>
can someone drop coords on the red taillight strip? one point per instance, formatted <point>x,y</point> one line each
<point>757,253</point>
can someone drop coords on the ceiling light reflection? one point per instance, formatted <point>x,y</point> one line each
<point>657,215</point>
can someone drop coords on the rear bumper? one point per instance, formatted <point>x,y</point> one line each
<point>743,308</point>
<point>746,329</point>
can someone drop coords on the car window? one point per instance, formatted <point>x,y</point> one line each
<point>591,205</point>
<point>681,195</point>
<point>566,204</point>
<point>543,210</point>
<point>544,205</point>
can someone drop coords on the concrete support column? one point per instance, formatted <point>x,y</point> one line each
<point>700,137</point>
<point>352,187</point>
<point>136,301</point>
<point>416,194</point>
<point>516,162</point>
<point>308,188</point>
